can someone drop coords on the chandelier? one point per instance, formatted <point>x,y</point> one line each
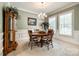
<point>42,15</point>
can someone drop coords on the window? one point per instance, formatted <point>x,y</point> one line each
<point>52,23</point>
<point>65,24</point>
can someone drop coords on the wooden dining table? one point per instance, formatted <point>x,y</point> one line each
<point>40,34</point>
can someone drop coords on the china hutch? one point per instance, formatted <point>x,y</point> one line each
<point>9,42</point>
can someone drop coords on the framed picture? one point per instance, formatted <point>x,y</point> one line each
<point>32,21</point>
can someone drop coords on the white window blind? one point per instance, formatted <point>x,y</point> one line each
<point>65,24</point>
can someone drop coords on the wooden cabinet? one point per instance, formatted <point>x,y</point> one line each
<point>9,43</point>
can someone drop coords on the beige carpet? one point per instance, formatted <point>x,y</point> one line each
<point>60,49</point>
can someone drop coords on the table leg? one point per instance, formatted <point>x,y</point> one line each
<point>41,42</point>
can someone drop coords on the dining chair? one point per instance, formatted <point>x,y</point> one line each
<point>47,40</point>
<point>50,36</point>
<point>34,40</point>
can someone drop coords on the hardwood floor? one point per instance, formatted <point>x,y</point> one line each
<point>60,48</point>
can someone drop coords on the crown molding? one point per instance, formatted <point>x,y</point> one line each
<point>27,11</point>
<point>62,8</point>
<point>21,9</point>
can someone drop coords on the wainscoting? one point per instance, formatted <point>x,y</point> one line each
<point>22,34</point>
<point>1,43</point>
<point>73,40</point>
<point>76,35</point>
<point>22,37</point>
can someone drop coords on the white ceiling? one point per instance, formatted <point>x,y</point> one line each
<point>36,7</point>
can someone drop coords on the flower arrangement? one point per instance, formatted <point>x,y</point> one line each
<point>12,9</point>
<point>45,25</point>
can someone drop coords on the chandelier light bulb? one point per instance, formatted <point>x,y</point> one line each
<point>42,15</point>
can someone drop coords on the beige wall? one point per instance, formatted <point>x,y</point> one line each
<point>76,18</point>
<point>23,18</point>
<point>22,21</point>
<point>1,5</point>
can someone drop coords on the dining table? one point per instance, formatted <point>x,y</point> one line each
<point>40,34</point>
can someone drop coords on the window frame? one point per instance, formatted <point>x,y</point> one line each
<point>55,20</point>
<point>63,13</point>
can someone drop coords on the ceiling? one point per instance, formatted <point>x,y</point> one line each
<point>37,7</point>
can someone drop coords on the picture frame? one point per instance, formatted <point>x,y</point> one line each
<point>32,21</point>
